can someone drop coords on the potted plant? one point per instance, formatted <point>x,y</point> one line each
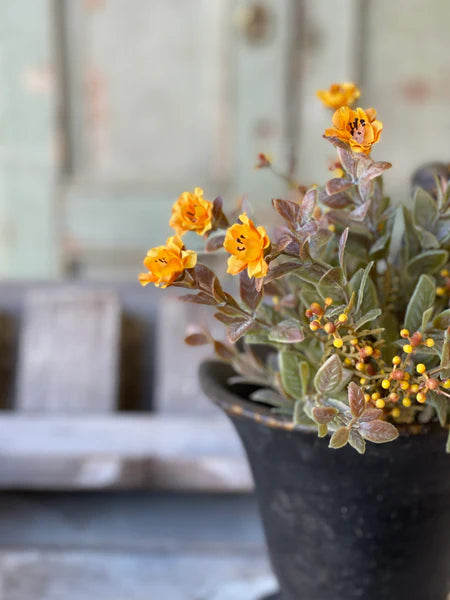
<point>339,338</point>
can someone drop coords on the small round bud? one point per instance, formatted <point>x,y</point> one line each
<point>407,348</point>
<point>396,360</point>
<point>309,313</point>
<point>404,385</point>
<point>393,397</point>
<point>406,401</point>
<point>396,412</point>
<point>432,384</point>
<point>446,384</point>
<point>429,342</point>
<point>338,343</point>
<point>360,366</point>
<point>314,325</point>
<point>347,361</point>
<point>363,380</point>
<point>421,368</point>
<point>380,403</point>
<point>367,397</point>
<point>366,351</point>
<point>332,227</point>
<point>316,309</point>
<point>421,398</point>
<point>404,333</point>
<point>445,273</point>
<point>440,291</point>
<point>342,318</point>
<point>398,374</point>
<point>386,384</point>
<point>328,301</point>
<point>414,388</point>
<point>354,341</point>
<point>416,338</point>
<point>376,395</point>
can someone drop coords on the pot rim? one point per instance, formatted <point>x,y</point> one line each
<point>213,378</point>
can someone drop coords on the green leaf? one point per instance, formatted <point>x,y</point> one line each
<point>445,356</point>
<point>304,374</point>
<point>378,432</point>
<point>322,430</point>
<point>300,416</point>
<point>287,332</point>
<point>290,374</point>
<point>412,242</point>
<point>429,261</point>
<point>339,438</point>
<point>356,440</point>
<point>421,300</point>
<point>447,447</point>
<point>342,243</point>
<point>425,209</point>
<point>442,320</point>
<point>329,376</point>
<point>364,288</point>
<point>442,405</point>
<point>269,396</point>
<point>370,316</point>
<point>426,318</point>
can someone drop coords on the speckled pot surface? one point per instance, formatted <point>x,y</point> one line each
<point>338,525</point>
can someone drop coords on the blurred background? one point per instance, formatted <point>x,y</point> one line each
<point>109,109</point>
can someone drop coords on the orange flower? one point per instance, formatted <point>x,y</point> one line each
<point>246,244</point>
<point>191,212</point>
<point>166,263</point>
<point>339,94</point>
<point>357,128</point>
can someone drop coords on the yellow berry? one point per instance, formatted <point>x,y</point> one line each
<point>328,301</point>
<point>363,380</point>
<point>404,333</point>
<point>421,397</point>
<point>330,327</point>
<point>347,361</point>
<point>414,388</point>
<point>407,376</point>
<point>446,384</point>
<point>380,403</point>
<point>445,273</point>
<point>354,341</point>
<point>314,325</point>
<point>386,384</point>
<point>393,397</point>
<point>404,385</point>
<point>367,397</point>
<point>440,291</point>
<point>360,366</point>
<point>396,412</point>
<point>406,401</point>
<point>338,343</point>
<point>376,395</point>
<point>429,342</point>
<point>368,350</point>
<point>407,348</point>
<point>396,360</point>
<point>342,318</point>
<point>332,227</point>
<point>421,368</point>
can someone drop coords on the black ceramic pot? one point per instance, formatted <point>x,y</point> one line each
<point>338,525</point>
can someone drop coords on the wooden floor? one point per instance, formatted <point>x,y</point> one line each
<point>131,546</point>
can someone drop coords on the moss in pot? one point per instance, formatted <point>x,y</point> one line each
<point>345,338</point>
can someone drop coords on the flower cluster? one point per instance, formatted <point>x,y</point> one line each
<point>355,330</point>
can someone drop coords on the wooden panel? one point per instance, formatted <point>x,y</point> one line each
<point>148,89</point>
<point>407,78</point>
<point>28,141</point>
<point>69,351</point>
<point>110,452</point>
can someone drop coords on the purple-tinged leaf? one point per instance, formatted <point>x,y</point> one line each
<point>308,204</point>
<point>250,295</point>
<point>290,211</point>
<point>363,163</point>
<point>217,207</point>
<point>347,159</point>
<point>324,414</point>
<point>215,242</point>
<point>360,213</point>
<point>196,339</point>
<point>356,400</point>
<point>378,432</point>
<point>370,414</point>
<point>375,170</point>
<point>227,319</point>
<point>224,351</point>
<point>329,375</point>
<point>336,142</point>
<point>275,272</point>
<point>339,438</point>
<point>238,329</point>
<point>206,280</point>
<point>338,185</point>
<point>287,332</point>
<point>200,298</point>
<point>356,440</point>
<point>341,200</point>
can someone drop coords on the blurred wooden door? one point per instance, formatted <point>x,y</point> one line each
<point>110,108</point>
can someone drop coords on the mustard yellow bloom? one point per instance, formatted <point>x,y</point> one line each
<point>339,94</point>
<point>191,212</point>
<point>358,128</point>
<point>167,263</point>
<point>246,244</point>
